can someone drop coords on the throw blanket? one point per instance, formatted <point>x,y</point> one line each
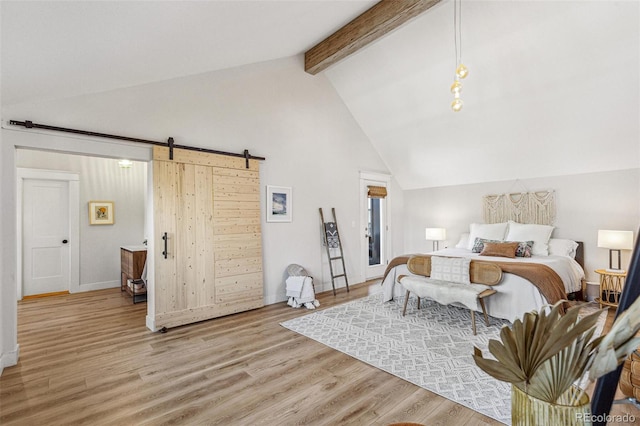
<point>300,292</point>
<point>400,260</point>
<point>543,277</point>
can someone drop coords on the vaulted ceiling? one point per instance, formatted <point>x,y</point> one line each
<point>53,49</point>
<point>553,89</point>
<point>553,86</point>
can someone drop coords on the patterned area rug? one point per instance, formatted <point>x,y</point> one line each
<point>430,347</point>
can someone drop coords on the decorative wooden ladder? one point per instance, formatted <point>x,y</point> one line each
<point>332,240</point>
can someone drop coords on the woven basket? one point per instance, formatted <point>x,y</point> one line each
<point>630,377</point>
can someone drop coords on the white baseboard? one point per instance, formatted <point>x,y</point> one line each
<point>98,286</point>
<point>8,359</point>
<point>151,323</point>
<point>270,299</point>
<point>327,286</point>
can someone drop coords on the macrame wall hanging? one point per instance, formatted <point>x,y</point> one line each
<point>523,207</point>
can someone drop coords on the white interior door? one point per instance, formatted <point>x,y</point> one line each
<point>46,252</point>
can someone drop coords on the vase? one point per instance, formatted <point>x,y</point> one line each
<point>529,411</point>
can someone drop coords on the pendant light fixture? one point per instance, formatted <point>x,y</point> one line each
<point>461,70</point>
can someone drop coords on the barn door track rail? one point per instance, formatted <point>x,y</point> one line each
<point>170,142</point>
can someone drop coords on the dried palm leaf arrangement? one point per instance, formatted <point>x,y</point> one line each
<point>546,353</point>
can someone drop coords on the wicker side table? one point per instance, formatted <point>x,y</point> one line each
<point>611,284</point>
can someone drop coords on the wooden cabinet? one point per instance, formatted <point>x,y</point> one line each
<point>132,260</point>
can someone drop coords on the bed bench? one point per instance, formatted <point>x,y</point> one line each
<point>482,275</point>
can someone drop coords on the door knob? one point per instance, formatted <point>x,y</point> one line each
<point>65,241</point>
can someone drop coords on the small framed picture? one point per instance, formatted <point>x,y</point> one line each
<point>101,213</point>
<point>279,204</point>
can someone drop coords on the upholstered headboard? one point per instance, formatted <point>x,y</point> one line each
<point>580,253</point>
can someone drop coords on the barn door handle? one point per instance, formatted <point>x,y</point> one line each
<point>165,238</point>
<point>64,241</point>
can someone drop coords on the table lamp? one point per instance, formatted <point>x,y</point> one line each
<point>615,241</point>
<point>436,235</point>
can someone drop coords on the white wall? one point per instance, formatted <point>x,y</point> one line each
<point>274,109</point>
<point>100,179</point>
<point>5,320</point>
<point>585,203</point>
<point>8,310</point>
<point>397,215</point>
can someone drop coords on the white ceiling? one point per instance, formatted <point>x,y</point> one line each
<point>553,90</point>
<point>553,86</point>
<point>53,49</point>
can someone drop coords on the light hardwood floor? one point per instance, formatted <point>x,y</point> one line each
<point>89,359</point>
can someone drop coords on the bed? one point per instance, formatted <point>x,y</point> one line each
<point>516,295</point>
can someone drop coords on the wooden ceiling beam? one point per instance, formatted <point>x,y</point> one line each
<point>377,21</point>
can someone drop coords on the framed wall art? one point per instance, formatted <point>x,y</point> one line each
<point>279,204</point>
<point>101,213</point>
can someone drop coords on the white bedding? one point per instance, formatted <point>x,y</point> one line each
<point>516,295</point>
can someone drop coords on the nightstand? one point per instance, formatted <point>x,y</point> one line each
<point>611,284</point>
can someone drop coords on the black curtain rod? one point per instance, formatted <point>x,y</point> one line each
<point>31,125</point>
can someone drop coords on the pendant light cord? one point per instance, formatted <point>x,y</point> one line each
<point>457,30</point>
<point>461,71</point>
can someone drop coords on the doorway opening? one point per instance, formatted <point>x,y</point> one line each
<point>59,249</point>
<point>375,231</point>
<point>374,200</point>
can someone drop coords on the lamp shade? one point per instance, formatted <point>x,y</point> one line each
<point>435,234</point>
<point>615,240</point>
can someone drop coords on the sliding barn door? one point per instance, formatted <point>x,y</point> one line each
<point>210,264</point>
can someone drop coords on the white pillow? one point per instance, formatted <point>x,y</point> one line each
<point>561,247</point>
<point>464,241</point>
<point>488,231</point>
<point>452,269</point>
<point>539,234</point>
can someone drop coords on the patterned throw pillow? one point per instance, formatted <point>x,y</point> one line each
<point>478,244</point>
<point>524,248</point>
<point>452,269</point>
